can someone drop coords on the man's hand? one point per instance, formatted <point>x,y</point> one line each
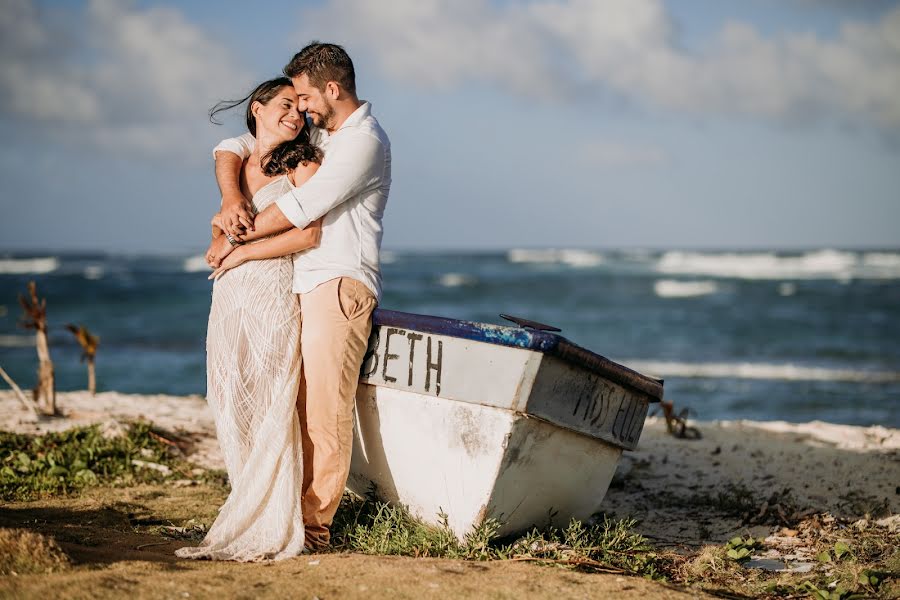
<point>218,249</point>
<point>236,216</point>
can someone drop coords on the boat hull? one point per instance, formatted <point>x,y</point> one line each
<point>460,430</point>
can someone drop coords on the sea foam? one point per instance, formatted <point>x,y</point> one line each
<point>777,372</point>
<point>571,257</point>
<point>22,266</point>
<point>672,288</point>
<point>16,341</point>
<point>452,280</point>
<point>196,264</point>
<point>819,264</point>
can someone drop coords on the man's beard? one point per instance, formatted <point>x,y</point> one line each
<point>324,119</point>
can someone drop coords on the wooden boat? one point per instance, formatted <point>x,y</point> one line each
<point>476,421</point>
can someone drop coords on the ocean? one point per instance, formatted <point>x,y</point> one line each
<point>764,335</point>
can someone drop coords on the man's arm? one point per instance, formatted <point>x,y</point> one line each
<point>268,222</point>
<point>236,212</point>
<point>353,165</point>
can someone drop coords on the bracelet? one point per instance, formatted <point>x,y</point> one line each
<point>233,240</point>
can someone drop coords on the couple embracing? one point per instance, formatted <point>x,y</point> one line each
<point>297,278</point>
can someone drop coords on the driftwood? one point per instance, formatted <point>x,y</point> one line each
<point>89,345</point>
<point>28,402</point>
<point>35,317</point>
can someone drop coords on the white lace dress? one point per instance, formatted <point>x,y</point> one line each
<point>253,373</point>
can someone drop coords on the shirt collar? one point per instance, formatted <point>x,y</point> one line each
<point>357,116</point>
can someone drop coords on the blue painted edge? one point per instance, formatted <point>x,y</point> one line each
<point>516,337</point>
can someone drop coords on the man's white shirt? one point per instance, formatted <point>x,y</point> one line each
<point>351,190</point>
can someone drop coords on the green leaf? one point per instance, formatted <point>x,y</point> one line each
<point>735,541</point>
<point>87,476</point>
<point>823,556</point>
<point>57,471</point>
<point>840,549</point>
<point>870,577</point>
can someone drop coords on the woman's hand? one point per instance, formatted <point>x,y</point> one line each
<point>217,221</point>
<point>238,257</point>
<point>218,249</point>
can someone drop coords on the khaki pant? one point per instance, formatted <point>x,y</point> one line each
<point>336,319</point>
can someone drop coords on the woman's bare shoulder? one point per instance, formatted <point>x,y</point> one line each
<point>303,172</point>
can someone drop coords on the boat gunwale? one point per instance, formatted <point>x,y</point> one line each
<point>544,342</point>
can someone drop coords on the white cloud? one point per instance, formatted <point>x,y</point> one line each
<point>114,76</point>
<point>630,48</point>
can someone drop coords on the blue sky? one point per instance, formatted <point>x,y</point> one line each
<point>579,123</point>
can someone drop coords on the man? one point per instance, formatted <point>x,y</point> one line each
<point>339,282</point>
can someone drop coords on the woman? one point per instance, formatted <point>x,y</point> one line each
<point>253,348</point>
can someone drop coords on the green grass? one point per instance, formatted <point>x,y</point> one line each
<point>371,527</point>
<point>63,463</point>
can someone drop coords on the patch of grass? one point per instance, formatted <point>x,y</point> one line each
<point>65,462</point>
<point>741,549</point>
<point>371,527</point>
<point>24,552</point>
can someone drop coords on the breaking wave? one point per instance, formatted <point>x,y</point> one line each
<point>818,264</point>
<point>16,341</point>
<point>672,288</point>
<point>571,257</point>
<point>21,266</point>
<point>452,280</point>
<point>196,264</point>
<point>777,372</point>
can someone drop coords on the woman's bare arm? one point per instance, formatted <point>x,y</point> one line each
<point>283,244</point>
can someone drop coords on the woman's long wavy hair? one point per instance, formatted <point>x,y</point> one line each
<point>284,157</point>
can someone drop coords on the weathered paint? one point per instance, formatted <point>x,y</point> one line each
<point>507,377</point>
<point>516,337</point>
<point>477,421</point>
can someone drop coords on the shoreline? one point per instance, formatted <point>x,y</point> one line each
<point>741,477</point>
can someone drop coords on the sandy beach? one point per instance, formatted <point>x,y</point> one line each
<point>739,478</point>
<point>669,485</point>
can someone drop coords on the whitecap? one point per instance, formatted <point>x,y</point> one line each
<point>571,257</point>
<point>93,272</point>
<point>672,288</point>
<point>16,341</point>
<point>817,264</point>
<point>21,266</point>
<point>523,255</point>
<point>787,289</point>
<point>883,265</point>
<point>386,257</point>
<point>457,280</point>
<point>580,258</point>
<point>743,370</point>
<point>196,264</point>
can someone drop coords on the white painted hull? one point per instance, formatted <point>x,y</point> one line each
<point>474,430</point>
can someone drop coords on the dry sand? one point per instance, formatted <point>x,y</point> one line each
<point>670,485</point>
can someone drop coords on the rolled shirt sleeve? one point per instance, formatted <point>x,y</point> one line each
<point>242,146</point>
<point>354,164</point>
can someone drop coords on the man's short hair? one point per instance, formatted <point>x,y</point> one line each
<point>323,63</point>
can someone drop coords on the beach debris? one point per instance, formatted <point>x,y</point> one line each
<point>676,424</point>
<point>145,464</point>
<point>35,317</point>
<point>112,428</point>
<point>28,402</point>
<point>88,343</point>
<point>779,565</point>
